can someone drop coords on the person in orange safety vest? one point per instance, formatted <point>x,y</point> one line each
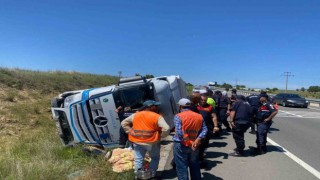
<point>190,130</point>
<point>145,129</point>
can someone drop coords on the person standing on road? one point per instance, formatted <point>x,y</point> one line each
<point>145,128</point>
<point>265,114</point>
<point>190,130</point>
<point>195,100</point>
<point>210,99</point>
<point>210,118</point>
<point>233,96</point>
<point>254,101</point>
<point>240,120</point>
<point>223,111</point>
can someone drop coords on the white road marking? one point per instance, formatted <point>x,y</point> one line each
<point>314,108</point>
<point>290,113</point>
<point>279,116</point>
<point>295,158</point>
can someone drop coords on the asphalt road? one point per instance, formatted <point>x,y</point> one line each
<point>295,130</point>
<point>298,130</point>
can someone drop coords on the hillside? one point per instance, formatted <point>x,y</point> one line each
<point>30,147</point>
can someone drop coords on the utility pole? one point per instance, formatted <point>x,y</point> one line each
<point>287,74</point>
<point>236,82</point>
<point>119,72</point>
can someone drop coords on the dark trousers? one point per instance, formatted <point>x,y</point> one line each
<point>262,131</point>
<point>185,158</point>
<point>223,118</point>
<point>204,144</point>
<point>253,118</point>
<point>123,137</point>
<point>238,135</point>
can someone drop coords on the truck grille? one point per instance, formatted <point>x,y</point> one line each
<point>83,115</point>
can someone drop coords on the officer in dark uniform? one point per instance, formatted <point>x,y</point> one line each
<point>223,104</point>
<point>265,113</point>
<point>240,120</point>
<point>233,96</point>
<point>254,101</point>
<point>264,93</point>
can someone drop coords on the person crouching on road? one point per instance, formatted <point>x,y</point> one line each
<point>240,120</point>
<point>264,116</point>
<point>190,130</point>
<point>145,128</point>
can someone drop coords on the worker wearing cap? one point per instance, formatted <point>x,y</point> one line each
<point>145,128</point>
<point>190,129</point>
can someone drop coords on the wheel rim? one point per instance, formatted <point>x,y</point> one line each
<point>283,104</point>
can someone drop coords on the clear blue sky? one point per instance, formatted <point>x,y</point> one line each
<point>251,41</point>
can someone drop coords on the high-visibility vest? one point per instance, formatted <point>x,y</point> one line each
<point>191,126</point>
<point>145,127</point>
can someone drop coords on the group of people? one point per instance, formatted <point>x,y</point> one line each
<point>200,117</point>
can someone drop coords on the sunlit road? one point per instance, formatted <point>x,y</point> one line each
<point>295,129</point>
<point>298,131</point>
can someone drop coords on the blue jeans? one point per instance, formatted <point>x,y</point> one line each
<point>140,152</point>
<point>185,157</point>
<point>262,131</point>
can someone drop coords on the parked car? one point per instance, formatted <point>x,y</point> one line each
<point>293,100</point>
<point>88,116</point>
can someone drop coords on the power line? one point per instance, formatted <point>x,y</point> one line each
<point>287,74</point>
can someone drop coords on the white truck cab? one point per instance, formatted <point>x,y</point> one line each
<point>88,116</point>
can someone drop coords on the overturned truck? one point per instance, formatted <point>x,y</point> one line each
<point>88,116</point>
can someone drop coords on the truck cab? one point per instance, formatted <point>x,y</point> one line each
<point>88,116</point>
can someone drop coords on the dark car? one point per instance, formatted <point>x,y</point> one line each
<point>286,99</point>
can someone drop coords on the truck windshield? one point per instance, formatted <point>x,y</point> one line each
<point>134,96</point>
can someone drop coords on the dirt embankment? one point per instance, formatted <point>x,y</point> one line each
<point>20,112</point>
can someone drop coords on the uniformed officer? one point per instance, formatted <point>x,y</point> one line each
<point>223,110</point>
<point>264,117</point>
<point>233,96</point>
<point>254,101</point>
<point>240,120</point>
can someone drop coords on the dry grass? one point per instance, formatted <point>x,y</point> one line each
<point>30,147</point>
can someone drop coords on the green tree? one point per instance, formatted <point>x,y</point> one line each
<point>314,89</point>
<point>148,76</point>
<point>225,85</point>
<point>303,89</point>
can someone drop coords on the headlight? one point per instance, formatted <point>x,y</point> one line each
<point>68,100</point>
<point>307,101</point>
<point>290,101</point>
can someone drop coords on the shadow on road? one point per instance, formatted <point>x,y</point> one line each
<point>169,174</point>
<point>251,151</point>
<point>166,142</point>
<point>273,129</point>
<point>209,176</point>
<point>218,144</point>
